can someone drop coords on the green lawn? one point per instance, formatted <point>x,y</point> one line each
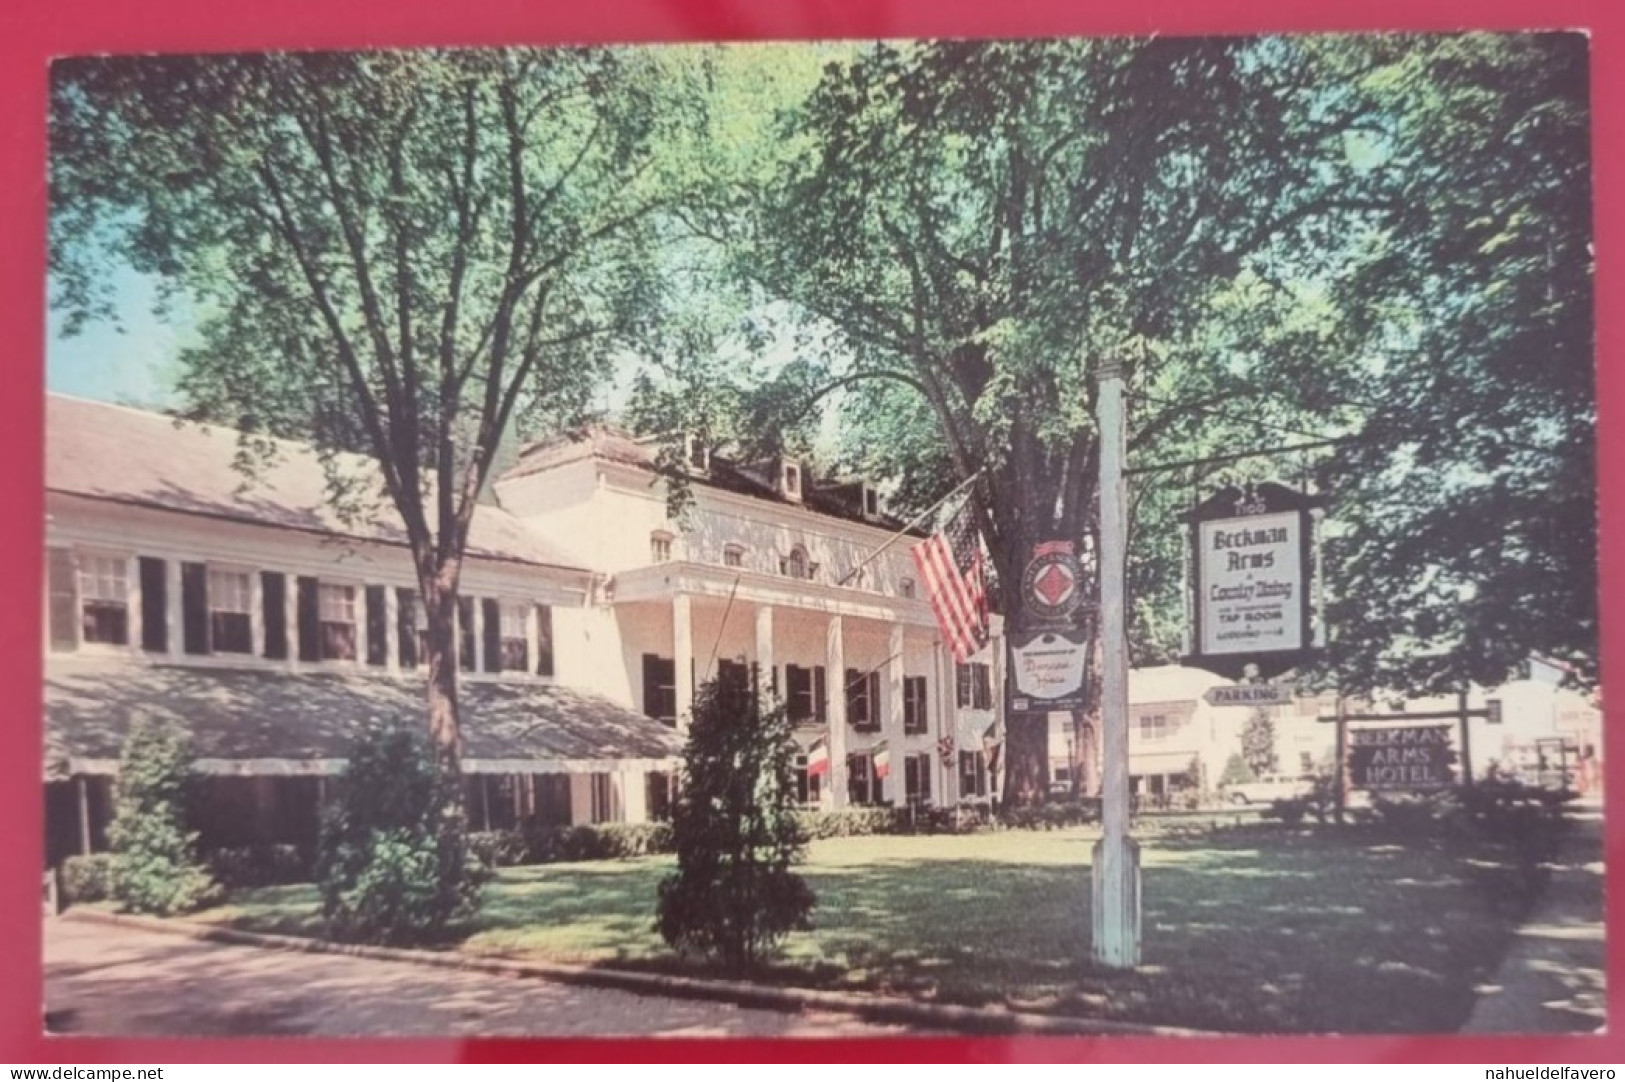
<point>1252,929</point>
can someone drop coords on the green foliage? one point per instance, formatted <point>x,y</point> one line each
<point>1258,743</point>
<point>550,845</point>
<point>734,894</point>
<point>1236,770</point>
<point>394,865</point>
<point>155,867</point>
<point>87,878</point>
<point>260,865</point>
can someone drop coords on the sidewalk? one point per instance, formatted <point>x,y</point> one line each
<point>1551,980</point>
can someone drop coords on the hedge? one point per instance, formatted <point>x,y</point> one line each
<point>261,865</point>
<point>554,845</point>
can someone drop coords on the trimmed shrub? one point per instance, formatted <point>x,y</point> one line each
<point>155,867</point>
<point>87,878</point>
<point>1050,816</point>
<point>1289,810</point>
<point>498,848</point>
<point>267,865</point>
<point>737,832</point>
<point>394,864</point>
<point>852,822</point>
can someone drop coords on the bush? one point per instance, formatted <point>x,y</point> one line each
<point>852,822</point>
<point>87,878</point>
<point>394,864</point>
<point>1050,816</point>
<point>266,865</point>
<point>552,845</point>
<point>737,832</point>
<point>155,867</point>
<point>1289,810</point>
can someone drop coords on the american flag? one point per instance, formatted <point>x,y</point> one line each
<point>950,564</point>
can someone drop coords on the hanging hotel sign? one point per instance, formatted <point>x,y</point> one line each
<point>1047,671</point>
<point>1414,757</point>
<point>1052,587</point>
<point>1251,554</point>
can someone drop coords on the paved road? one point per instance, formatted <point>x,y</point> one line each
<point>110,981</point>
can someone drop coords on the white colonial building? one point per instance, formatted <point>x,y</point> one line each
<point>271,627</point>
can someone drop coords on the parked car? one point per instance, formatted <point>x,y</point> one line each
<point>1269,787</point>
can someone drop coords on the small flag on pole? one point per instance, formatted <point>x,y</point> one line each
<point>991,744</point>
<point>1545,670</point>
<point>950,563</point>
<point>945,749</point>
<point>818,758</point>
<point>881,756</point>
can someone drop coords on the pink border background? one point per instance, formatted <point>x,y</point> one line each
<point>33,31</point>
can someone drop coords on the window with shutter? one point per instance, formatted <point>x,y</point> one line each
<point>799,698</point>
<point>515,637</point>
<point>914,705</point>
<point>310,620</point>
<point>274,599</point>
<point>336,608</point>
<point>154,606</point>
<point>195,608</point>
<point>104,599</point>
<point>377,627</point>
<point>660,688</point>
<point>64,600</point>
<point>465,634</point>
<point>231,629</point>
<point>491,626</point>
<point>408,614</point>
<point>544,641</point>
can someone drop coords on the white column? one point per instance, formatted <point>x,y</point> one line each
<point>392,631</point>
<point>634,787</point>
<point>942,695</point>
<point>580,799</point>
<point>477,607</point>
<point>363,627</point>
<point>134,618</point>
<point>764,644</point>
<point>173,621</point>
<point>996,666</point>
<point>892,720</point>
<point>835,695</point>
<point>533,639</point>
<point>290,617</point>
<point>1116,873</point>
<point>682,652</point>
<point>256,613</point>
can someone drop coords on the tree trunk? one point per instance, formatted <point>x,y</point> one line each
<point>445,729</point>
<point>1026,747</point>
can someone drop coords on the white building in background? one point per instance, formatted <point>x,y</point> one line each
<point>270,627</point>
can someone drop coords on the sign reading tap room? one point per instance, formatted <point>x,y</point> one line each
<point>1251,554</point>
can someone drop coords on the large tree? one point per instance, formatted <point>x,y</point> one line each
<point>976,226</point>
<point>405,255</point>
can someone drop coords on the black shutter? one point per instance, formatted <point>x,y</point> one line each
<point>544,641</point>
<point>820,695</point>
<point>377,627</point>
<point>465,633</point>
<point>274,600</point>
<point>154,606</point>
<point>491,612</point>
<point>195,608</point>
<point>406,627</point>
<point>310,620</point>
<point>925,776</point>
<point>64,599</point>
<point>874,701</point>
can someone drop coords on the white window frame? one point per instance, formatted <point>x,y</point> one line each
<point>323,619</point>
<point>660,547</point>
<point>213,577</point>
<point>733,555</point>
<point>118,565</point>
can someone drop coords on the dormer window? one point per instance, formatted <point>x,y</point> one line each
<point>660,547</point>
<point>871,502</point>
<point>795,565</point>
<point>905,589</point>
<point>790,480</point>
<point>697,455</point>
<point>733,556</point>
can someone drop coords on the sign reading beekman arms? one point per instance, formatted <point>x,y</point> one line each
<point>1251,557</point>
<point>1409,758</point>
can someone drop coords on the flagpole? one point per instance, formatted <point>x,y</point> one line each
<point>911,524</point>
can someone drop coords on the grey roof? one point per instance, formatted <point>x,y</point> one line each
<point>240,714</point>
<point>110,452</point>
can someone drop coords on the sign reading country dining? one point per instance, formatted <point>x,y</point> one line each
<point>1250,576</point>
<point>1412,757</point>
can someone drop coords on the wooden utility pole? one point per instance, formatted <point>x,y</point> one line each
<point>1466,741</point>
<point>1116,873</point>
